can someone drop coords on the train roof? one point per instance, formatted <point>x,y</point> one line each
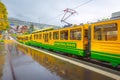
<point>45,29</point>
<point>111,19</point>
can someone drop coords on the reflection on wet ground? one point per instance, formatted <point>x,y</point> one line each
<point>24,63</point>
<point>24,67</point>
<point>63,70</point>
<point>2,58</point>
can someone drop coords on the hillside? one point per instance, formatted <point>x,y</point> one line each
<point>16,22</point>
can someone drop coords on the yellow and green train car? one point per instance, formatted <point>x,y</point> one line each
<point>100,40</point>
<point>105,41</point>
<point>68,40</point>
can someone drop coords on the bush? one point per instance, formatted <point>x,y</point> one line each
<point>1,40</point>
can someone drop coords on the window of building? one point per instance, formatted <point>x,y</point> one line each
<point>64,35</point>
<point>75,34</point>
<point>107,32</point>
<point>56,35</point>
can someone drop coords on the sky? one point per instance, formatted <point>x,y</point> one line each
<point>51,11</point>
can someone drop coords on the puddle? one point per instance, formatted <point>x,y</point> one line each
<point>61,69</point>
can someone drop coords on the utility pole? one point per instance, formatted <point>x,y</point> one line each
<point>68,12</point>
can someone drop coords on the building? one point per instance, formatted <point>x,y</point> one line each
<point>23,29</point>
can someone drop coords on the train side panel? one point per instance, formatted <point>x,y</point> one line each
<point>69,40</point>
<point>61,40</point>
<point>72,43</point>
<point>105,42</point>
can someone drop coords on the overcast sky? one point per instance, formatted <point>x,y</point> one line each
<point>45,11</point>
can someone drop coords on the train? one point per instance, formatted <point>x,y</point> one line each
<point>98,40</point>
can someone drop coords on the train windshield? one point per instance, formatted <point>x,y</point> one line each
<point>106,32</point>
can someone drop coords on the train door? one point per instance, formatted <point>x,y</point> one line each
<point>85,41</point>
<point>89,42</point>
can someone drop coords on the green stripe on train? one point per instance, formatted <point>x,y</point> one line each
<point>66,44</point>
<point>114,59</point>
<point>67,47</point>
<point>70,47</point>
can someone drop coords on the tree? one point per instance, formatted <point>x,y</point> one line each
<point>31,29</point>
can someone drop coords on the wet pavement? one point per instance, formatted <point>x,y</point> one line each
<point>2,58</point>
<point>24,63</point>
<point>24,67</point>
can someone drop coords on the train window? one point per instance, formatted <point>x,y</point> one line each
<point>107,32</point>
<point>64,35</point>
<point>55,35</point>
<point>43,36</point>
<point>37,36</point>
<point>30,37</point>
<point>98,34</point>
<point>26,38</point>
<point>46,37</point>
<point>75,34</point>
<point>110,33</point>
<point>50,35</point>
<point>34,36</point>
<point>40,35</point>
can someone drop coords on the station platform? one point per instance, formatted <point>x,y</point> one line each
<point>28,63</point>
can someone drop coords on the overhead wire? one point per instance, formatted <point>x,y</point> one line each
<point>82,4</point>
<point>50,20</point>
<point>70,12</point>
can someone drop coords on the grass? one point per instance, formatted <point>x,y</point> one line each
<point>14,35</point>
